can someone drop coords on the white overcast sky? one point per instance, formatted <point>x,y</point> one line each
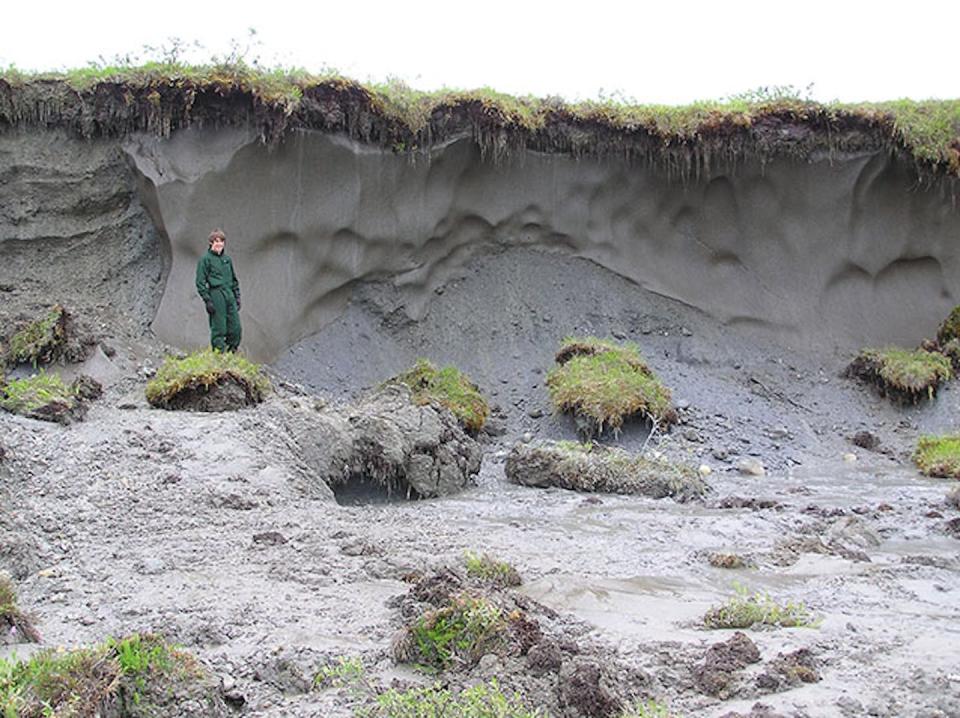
<point>656,52</point>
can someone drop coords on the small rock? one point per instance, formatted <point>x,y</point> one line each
<point>686,332</point>
<point>720,454</point>
<point>270,538</point>
<point>705,470</point>
<point>617,334</point>
<point>953,497</point>
<point>849,458</point>
<point>527,437</point>
<point>227,682</point>
<point>779,433</point>
<point>535,413</point>
<point>865,440</point>
<point>682,404</point>
<point>692,435</point>
<point>751,467</point>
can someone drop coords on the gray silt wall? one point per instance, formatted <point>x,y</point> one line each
<point>830,253</point>
<point>72,228</point>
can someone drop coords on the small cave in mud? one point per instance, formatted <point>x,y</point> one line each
<point>362,491</point>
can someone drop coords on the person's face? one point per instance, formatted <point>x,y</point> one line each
<point>217,246</point>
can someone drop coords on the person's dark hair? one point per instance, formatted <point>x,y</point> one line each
<point>216,234</point>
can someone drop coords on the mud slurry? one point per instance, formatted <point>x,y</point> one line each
<point>213,531</point>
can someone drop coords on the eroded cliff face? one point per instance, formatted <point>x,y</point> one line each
<point>837,252</point>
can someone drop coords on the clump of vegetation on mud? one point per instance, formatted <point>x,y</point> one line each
<point>603,383</point>
<point>15,625</point>
<point>41,341</point>
<point>744,610</point>
<point>483,700</point>
<point>906,376</point>
<point>592,467</point>
<point>166,94</point>
<point>135,676</point>
<point>44,396</point>
<point>939,456</point>
<point>489,569</point>
<point>456,634</point>
<point>450,388</point>
<point>184,383</point>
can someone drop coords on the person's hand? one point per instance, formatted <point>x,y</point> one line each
<point>210,308</point>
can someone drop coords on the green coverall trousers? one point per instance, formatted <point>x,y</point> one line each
<point>225,321</point>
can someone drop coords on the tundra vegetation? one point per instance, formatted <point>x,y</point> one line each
<point>482,700</point>
<point>939,456</point>
<point>449,388</point>
<point>488,569</point>
<point>603,383</point>
<point>127,675</point>
<point>162,93</point>
<point>198,373</point>
<point>456,634</point>
<point>41,341</point>
<point>905,376</point>
<point>744,610</point>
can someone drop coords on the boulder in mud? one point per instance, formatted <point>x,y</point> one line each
<point>389,442</point>
<point>209,381</point>
<point>591,467</point>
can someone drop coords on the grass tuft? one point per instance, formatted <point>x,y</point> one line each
<point>744,610</point>
<point>41,341</point>
<point>949,329</point>
<point>603,383</point>
<point>488,569</point>
<point>906,376</point>
<point>23,396</point>
<point>484,700</point>
<point>938,456</point>
<point>84,681</point>
<point>11,617</point>
<point>202,370</point>
<point>458,634</point>
<point>450,388</point>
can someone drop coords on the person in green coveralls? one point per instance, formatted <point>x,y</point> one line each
<point>219,288</point>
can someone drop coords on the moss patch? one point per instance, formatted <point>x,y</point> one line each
<point>42,340</point>
<point>906,376</point>
<point>603,383</point>
<point>450,388</point>
<point>591,467</point>
<point>939,456</point>
<point>183,383</point>
<point>745,610</point>
<point>950,327</point>
<point>137,676</point>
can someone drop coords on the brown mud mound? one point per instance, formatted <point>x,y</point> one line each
<point>228,394</point>
<point>388,442</point>
<point>591,467</point>
<point>56,335</point>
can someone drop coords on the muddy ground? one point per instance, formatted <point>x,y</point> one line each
<point>211,530</point>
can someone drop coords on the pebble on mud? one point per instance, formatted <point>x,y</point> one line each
<point>751,467</point>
